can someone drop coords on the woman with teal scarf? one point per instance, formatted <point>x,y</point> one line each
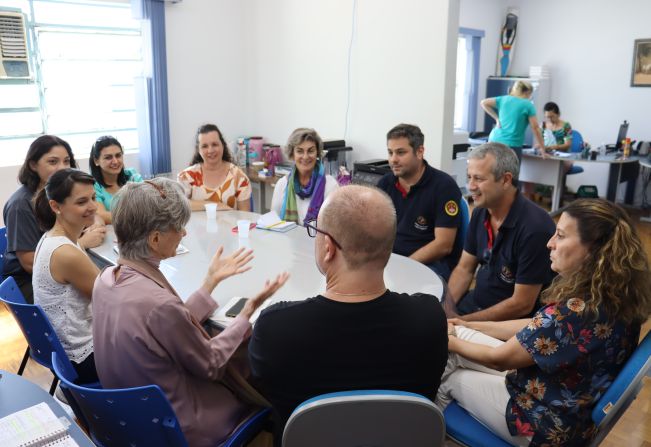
<point>298,197</point>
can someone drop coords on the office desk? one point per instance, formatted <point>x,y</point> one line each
<point>549,171</point>
<point>18,393</point>
<point>274,253</point>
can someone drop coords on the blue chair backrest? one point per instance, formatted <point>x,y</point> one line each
<point>3,250</point>
<point>365,417</point>
<point>577,141</point>
<point>623,390</point>
<point>465,220</point>
<point>140,416</point>
<point>36,327</point>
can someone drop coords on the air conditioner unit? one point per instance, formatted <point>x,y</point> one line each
<point>14,57</point>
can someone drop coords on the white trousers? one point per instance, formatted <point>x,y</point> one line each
<point>479,390</point>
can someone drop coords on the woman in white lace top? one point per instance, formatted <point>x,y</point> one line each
<point>63,274</point>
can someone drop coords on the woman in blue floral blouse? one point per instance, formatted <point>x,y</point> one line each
<point>563,359</point>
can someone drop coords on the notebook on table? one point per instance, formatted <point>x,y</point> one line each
<point>36,426</point>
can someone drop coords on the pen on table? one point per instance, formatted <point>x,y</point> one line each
<point>277,223</point>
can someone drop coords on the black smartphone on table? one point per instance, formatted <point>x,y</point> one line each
<point>235,310</point>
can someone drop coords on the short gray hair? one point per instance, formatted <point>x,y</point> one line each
<point>505,159</point>
<point>304,134</point>
<point>363,220</point>
<point>139,209</point>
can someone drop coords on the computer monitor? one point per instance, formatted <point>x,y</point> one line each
<point>621,135</point>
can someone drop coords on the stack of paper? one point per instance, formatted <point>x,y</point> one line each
<point>539,72</point>
<point>34,426</point>
<point>272,222</point>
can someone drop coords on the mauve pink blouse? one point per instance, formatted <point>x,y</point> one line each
<point>143,334</point>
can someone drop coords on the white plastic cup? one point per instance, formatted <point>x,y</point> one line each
<point>243,228</point>
<point>211,210</point>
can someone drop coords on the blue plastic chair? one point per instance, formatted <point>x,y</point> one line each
<point>3,251</point>
<point>140,416</point>
<point>577,146</point>
<point>466,430</point>
<point>465,219</point>
<point>365,417</point>
<point>37,330</point>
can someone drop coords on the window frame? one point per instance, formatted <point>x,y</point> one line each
<point>473,39</point>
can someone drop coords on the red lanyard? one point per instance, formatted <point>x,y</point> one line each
<point>489,230</point>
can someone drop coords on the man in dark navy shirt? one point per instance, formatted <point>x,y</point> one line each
<point>507,238</point>
<point>427,203</point>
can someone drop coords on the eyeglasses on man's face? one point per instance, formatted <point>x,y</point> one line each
<point>312,230</point>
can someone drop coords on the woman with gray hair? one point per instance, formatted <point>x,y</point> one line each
<point>145,334</point>
<point>298,197</point>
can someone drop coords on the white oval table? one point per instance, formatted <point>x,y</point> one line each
<point>274,253</point>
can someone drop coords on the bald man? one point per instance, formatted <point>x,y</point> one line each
<point>356,334</point>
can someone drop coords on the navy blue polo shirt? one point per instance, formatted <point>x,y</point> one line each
<point>430,203</point>
<point>519,253</point>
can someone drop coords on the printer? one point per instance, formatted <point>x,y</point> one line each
<point>370,172</point>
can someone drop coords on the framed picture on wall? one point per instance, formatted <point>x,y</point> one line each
<point>641,74</point>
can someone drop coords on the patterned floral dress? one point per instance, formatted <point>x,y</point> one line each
<point>235,188</point>
<point>577,356</point>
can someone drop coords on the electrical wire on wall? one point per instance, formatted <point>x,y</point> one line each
<point>348,69</point>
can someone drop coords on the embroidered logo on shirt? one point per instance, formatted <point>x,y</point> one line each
<point>506,275</point>
<point>421,223</point>
<point>451,208</point>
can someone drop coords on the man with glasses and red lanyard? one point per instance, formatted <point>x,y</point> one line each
<point>356,334</point>
<point>507,238</point>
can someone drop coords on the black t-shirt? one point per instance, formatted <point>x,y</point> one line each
<point>23,232</point>
<point>302,349</point>
<point>432,202</point>
<point>519,254</point>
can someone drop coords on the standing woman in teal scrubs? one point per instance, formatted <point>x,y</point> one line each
<point>107,167</point>
<point>512,114</point>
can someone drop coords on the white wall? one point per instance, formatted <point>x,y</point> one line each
<point>207,71</point>
<point>402,70</point>
<point>488,16</point>
<point>261,67</point>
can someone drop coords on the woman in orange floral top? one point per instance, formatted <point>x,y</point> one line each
<point>212,177</point>
<point>565,357</point>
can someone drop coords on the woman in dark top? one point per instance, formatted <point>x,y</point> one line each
<point>565,357</point>
<point>46,155</point>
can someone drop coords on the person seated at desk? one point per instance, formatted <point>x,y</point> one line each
<point>212,177</point>
<point>356,334</point>
<point>47,154</point>
<point>298,196</point>
<point>557,133</point>
<point>64,274</point>
<point>107,166</point>
<point>512,114</point>
<point>506,238</point>
<point>145,334</point>
<point>427,203</point>
<point>563,359</point>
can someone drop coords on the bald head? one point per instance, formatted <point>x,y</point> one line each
<point>363,220</point>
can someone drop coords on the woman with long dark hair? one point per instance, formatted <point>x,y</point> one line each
<point>64,275</point>
<point>107,167</point>
<point>212,177</point>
